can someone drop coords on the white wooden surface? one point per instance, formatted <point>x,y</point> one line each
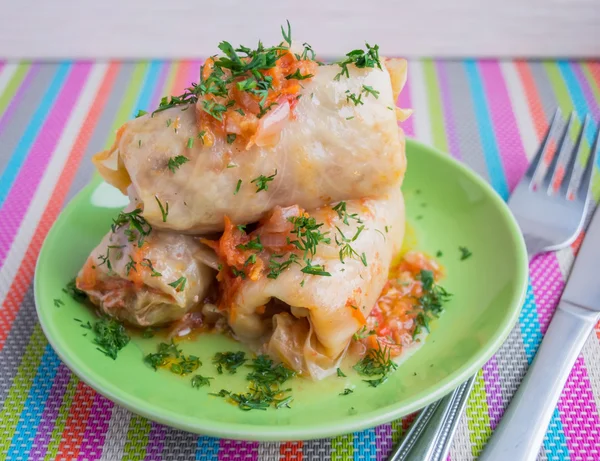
<point>193,28</point>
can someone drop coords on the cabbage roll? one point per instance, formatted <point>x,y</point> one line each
<point>335,139</point>
<point>301,284</point>
<point>146,279</point>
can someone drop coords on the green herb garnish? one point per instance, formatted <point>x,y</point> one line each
<point>347,391</point>
<point>147,263</point>
<point>110,337</point>
<point>253,244</point>
<point>199,381</point>
<point>130,266</point>
<point>431,301</point>
<point>347,251</point>
<point>377,362</point>
<point>340,373</point>
<point>342,213</point>
<point>136,223</point>
<point>164,211</point>
<point>276,267</point>
<point>298,76</point>
<point>262,182</point>
<point>58,302</point>
<point>74,292</point>
<point>308,234</point>
<point>237,187</point>
<point>368,90</point>
<point>362,333</point>
<point>231,138</point>
<point>140,113</point>
<point>178,363</point>
<point>465,253</point>
<point>356,99</point>
<point>317,269</point>
<point>179,284</point>
<point>360,59</point>
<point>231,361</point>
<point>265,379</point>
<point>238,273</point>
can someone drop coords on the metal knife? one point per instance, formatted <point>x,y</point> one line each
<point>521,431</point>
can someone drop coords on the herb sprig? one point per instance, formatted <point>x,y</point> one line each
<point>378,364</point>
<point>175,162</point>
<point>230,361</point>
<point>137,226</point>
<point>266,379</point>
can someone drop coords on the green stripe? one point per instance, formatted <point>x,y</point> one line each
<point>170,80</point>
<point>397,431</point>
<point>137,438</point>
<point>342,448</point>
<point>129,100</point>
<point>61,419</point>
<point>596,92</point>
<point>15,401</point>
<point>478,417</point>
<point>563,97</point>
<point>13,84</point>
<point>435,107</point>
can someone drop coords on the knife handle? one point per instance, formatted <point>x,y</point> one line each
<point>525,422</point>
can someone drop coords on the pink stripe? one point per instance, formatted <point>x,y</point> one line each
<point>237,449</point>
<point>508,138</point>
<point>383,435</point>
<point>16,99</point>
<point>447,106</point>
<point>579,415</point>
<point>96,429</point>
<point>493,390</point>
<point>53,404</point>
<point>194,69</point>
<point>30,175</point>
<point>404,103</point>
<point>547,283</point>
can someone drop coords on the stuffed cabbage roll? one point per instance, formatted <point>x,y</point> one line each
<point>301,284</point>
<point>145,277</point>
<point>324,138</point>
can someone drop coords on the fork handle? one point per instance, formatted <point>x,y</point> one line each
<point>524,424</point>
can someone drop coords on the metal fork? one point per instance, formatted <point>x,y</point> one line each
<point>550,204</point>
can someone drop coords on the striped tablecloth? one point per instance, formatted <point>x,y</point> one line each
<point>54,116</point>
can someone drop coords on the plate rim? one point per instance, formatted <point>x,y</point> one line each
<point>352,423</point>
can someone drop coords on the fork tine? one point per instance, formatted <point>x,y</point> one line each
<point>531,171</point>
<point>570,176</point>
<point>553,174</point>
<point>586,179</point>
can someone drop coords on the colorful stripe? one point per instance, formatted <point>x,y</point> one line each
<point>15,163</point>
<point>10,80</point>
<point>446,106</point>
<point>342,448</point>
<point>404,101</point>
<point>487,136</point>
<point>35,161</point>
<point>232,449</point>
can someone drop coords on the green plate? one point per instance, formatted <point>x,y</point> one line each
<point>448,206</point>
